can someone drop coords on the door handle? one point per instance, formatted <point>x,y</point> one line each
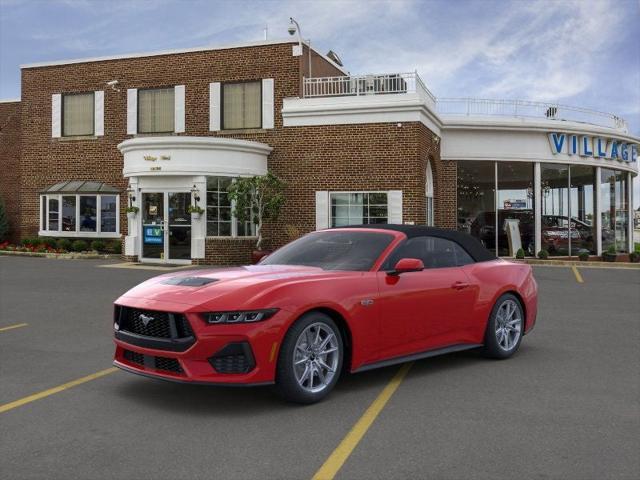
<point>459,285</point>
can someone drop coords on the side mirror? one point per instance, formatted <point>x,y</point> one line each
<point>405,265</point>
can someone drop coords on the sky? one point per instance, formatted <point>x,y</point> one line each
<point>579,52</point>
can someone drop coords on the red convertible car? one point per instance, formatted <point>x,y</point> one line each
<point>352,299</point>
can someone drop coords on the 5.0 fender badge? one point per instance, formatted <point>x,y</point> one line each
<point>366,302</point>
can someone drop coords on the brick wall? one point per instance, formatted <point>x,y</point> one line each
<point>10,163</point>
<point>340,157</point>
<point>227,251</point>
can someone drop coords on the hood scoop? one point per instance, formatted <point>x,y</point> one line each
<point>189,281</point>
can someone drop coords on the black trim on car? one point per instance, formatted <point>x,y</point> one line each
<point>180,380</point>
<point>172,345</point>
<point>417,356</point>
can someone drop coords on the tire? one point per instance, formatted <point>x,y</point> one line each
<point>310,359</point>
<point>504,328</point>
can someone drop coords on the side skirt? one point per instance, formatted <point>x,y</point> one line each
<point>417,356</point>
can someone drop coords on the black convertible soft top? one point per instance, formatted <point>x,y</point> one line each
<point>471,244</point>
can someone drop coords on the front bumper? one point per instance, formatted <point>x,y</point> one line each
<point>232,354</point>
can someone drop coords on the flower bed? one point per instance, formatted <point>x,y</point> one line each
<point>52,246</point>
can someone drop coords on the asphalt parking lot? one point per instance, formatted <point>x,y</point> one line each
<point>566,406</point>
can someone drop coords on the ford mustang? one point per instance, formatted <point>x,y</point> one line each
<point>343,299</point>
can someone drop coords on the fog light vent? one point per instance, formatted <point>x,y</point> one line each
<point>233,358</point>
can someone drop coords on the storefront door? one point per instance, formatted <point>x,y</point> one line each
<point>166,227</point>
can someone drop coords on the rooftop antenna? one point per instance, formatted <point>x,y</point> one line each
<point>266,32</point>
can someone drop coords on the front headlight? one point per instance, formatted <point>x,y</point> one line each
<point>240,316</point>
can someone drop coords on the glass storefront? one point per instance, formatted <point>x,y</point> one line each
<point>567,206</point>
<point>476,201</point>
<point>515,204</point>
<point>614,209</point>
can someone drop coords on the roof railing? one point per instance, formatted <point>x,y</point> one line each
<point>411,83</point>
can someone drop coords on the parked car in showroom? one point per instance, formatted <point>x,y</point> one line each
<point>351,299</point>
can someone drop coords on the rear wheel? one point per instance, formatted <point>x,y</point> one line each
<point>505,327</point>
<point>310,359</point>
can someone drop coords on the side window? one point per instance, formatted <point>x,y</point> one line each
<point>434,252</point>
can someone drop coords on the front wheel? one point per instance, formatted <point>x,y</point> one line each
<point>310,359</point>
<point>504,329</point>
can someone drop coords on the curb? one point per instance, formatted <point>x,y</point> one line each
<point>63,256</point>
<point>573,263</point>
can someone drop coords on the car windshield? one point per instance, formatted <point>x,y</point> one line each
<point>333,250</point>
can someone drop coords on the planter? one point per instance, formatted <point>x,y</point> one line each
<point>258,255</point>
<point>634,257</point>
<point>196,215</point>
<point>131,216</point>
<point>609,257</point>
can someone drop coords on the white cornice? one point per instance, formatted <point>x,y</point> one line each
<point>173,52</point>
<point>194,143</point>
<point>9,100</point>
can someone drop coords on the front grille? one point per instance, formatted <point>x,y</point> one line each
<point>151,323</point>
<point>168,364</point>
<point>233,358</point>
<point>134,357</point>
<point>159,363</point>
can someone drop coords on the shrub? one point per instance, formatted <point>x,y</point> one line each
<point>543,254</point>
<point>47,242</point>
<point>64,244</point>
<point>634,257</point>
<point>4,222</point>
<point>611,249</point>
<point>520,253</point>
<point>115,247</point>
<point>29,242</point>
<point>79,246</point>
<point>97,245</point>
<point>583,256</point>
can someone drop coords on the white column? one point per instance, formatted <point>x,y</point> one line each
<point>537,207</point>
<point>199,226</point>
<point>598,212</point>
<point>132,241</point>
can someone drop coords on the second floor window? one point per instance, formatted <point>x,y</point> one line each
<point>241,105</point>
<point>156,110</point>
<point>77,114</point>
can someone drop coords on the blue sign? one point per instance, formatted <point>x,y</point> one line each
<point>588,146</point>
<point>152,235</point>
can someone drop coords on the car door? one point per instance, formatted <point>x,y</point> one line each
<point>427,309</point>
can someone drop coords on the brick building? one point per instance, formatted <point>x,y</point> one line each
<point>165,130</point>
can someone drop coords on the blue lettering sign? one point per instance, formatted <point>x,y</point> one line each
<point>624,153</point>
<point>573,148</point>
<point>601,150</point>
<point>634,153</point>
<point>586,147</point>
<point>152,235</point>
<point>614,150</point>
<point>557,142</point>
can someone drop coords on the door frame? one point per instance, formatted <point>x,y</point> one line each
<point>165,226</point>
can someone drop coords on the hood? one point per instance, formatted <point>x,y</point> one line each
<point>244,285</point>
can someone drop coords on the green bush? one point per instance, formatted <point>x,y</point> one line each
<point>64,244</point>
<point>97,245</point>
<point>634,257</point>
<point>543,254</point>
<point>611,249</point>
<point>583,256</point>
<point>28,241</point>
<point>520,253</point>
<point>47,242</point>
<point>115,247</point>
<point>79,246</point>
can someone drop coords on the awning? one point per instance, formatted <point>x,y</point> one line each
<point>81,186</point>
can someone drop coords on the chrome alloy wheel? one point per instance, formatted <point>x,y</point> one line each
<point>508,325</point>
<point>316,357</point>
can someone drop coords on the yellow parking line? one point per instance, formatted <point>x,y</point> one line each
<point>340,455</point>
<point>577,274</point>
<point>11,327</point>
<point>37,396</point>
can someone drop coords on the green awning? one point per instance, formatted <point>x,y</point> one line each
<point>81,186</point>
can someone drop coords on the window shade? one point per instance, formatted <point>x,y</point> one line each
<point>241,105</point>
<point>77,114</point>
<point>156,110</point>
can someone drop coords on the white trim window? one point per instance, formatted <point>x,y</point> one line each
<point>429,195</point>
<point>356,208</point>
<point>241,105</point>
<point>221,222</point>
<point>80,215</point>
